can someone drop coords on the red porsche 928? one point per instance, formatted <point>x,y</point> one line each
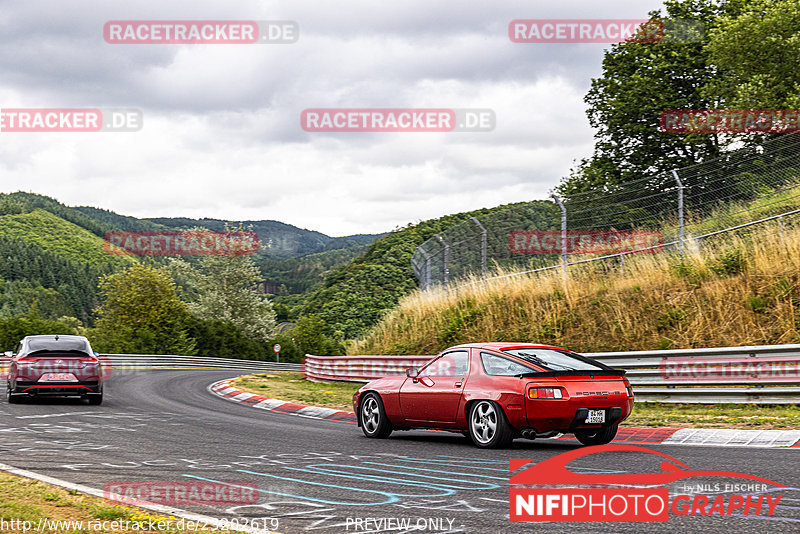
<point>495,392</point>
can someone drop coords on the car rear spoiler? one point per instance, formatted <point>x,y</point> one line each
<point>593,373</point>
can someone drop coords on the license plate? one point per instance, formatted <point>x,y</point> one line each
<point>596,416</point>
<point>58,377</point>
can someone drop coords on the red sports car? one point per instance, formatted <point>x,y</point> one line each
<point>495,392</point>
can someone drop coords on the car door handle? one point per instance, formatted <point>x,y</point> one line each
<point>458,384</point>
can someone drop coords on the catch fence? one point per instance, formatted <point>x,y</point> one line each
<point>672,210</point>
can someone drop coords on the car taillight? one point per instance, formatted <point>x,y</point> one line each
<point>629,389</point>
<point>545,393</point>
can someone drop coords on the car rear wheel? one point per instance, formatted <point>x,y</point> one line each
<point>95,399</point>
<point>488,426</point>
<point>12,399</point>
<point>597,436</point>
<point>374,422</point>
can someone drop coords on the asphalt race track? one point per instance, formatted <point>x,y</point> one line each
<point>323,476</point>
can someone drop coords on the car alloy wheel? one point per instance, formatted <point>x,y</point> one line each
<point>370,415</point>
<point>374,422</point>
<point>484,422</point>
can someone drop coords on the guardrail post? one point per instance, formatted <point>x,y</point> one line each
<point>680,208</point>
<point>446,259</point>
<point>483,246</point>
<point>621,264</point>
<point>780,223</point>
<point>563,235</point>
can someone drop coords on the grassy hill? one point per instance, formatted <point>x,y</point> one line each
<point>739,290</point>
<point>61,237</point>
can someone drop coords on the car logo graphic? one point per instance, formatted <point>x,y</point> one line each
<point>553,471</point>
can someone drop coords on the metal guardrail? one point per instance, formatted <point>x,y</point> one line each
<point>132,362</point>
<point>766,374</point>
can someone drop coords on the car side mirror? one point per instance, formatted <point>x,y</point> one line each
<point>8,353</point>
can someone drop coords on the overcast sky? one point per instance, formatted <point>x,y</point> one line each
<point>222,135</point>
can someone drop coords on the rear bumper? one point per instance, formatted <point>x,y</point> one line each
<point>613,417</point>
<point>58,388</point>
<point>567,416</point>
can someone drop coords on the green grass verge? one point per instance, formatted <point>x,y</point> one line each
<point>754,416</point>
<point>293,387</point>
<point>23,499</point>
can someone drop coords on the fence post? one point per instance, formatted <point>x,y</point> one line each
<point>622,264</point>
<point>780,222</point>
<point>680,208</point>
<point>483,246</point>
<point>446,259</point>
<point>563,235</point>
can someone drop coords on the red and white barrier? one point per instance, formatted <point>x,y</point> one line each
<point>359,368</point>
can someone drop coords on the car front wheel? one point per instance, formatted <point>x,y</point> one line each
<point>597,436</point>
<point>488,426</point>
<point>374,422</point>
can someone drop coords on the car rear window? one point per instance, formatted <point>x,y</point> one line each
<point>63,344</point>
<point>498,366</point>
<point>555,360</point>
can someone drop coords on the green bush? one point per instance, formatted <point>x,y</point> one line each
<point>13,329</point>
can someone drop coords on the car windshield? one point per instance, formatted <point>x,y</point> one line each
<point>60,344</point>
<point>555,360</point>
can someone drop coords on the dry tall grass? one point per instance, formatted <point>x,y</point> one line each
<point>738,290</point>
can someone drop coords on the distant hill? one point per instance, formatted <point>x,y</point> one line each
<point>277,239</point>
<point>61,237</point>
<point>120,222</point>
<point>52,255</point>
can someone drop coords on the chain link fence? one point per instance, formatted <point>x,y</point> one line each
<point>741,188</point>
